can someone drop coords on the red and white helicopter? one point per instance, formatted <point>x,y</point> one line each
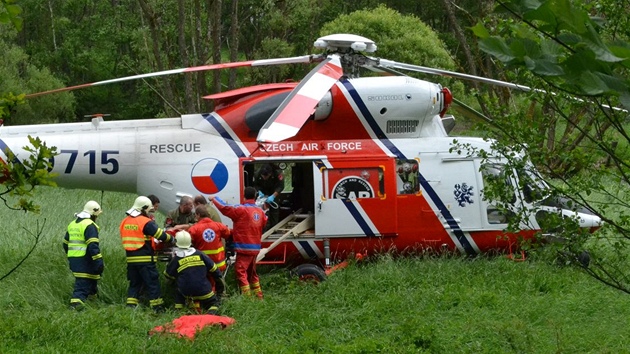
<point>371,153</point>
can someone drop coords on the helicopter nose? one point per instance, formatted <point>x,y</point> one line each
<point>590,221</point>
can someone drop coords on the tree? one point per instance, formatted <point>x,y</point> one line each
<point>393,35</point>
<point>18,74</point>
<point>570,126</point>
<point>19,177</point>
<point>11,13</point>
<point>403,38</point>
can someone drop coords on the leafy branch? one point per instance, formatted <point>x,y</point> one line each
<point>20,177</point>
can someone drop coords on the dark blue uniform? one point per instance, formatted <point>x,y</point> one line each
<point>190,267</point>
<point>81,245</point>
<point>141,268</point>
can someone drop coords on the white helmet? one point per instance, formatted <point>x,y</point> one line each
<point>142,203</point>
<point>183,239</point>
<point>92,208</point>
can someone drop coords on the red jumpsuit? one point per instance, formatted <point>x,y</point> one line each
<point>206,237</point>
<point>249,221</point>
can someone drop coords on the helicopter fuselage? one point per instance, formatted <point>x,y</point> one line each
<point>371,171</point>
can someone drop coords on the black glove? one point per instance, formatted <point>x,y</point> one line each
<point>100,268</point>
<point>229,247</point>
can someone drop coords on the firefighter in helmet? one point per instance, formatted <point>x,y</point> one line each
<point>137,231</point>
<point>190,268</point>
<point>84,254</point>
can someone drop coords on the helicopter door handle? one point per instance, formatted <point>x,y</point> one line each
<point>319,205</point>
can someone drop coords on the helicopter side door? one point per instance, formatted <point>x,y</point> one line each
<point>456,182</point>
<point>354,198</point>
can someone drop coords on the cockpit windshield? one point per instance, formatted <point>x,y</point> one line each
<point>533,186</point>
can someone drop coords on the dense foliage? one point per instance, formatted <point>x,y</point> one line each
<point>575,126</point>
<point>82,42</point>
<point>18,179</point>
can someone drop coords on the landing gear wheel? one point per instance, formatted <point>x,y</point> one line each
<point>309,273</point>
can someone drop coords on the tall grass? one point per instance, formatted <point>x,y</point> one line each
<point>438,305</point>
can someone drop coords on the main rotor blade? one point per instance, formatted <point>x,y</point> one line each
<point>263,62</point>
<point>384,64</point>
<point>470,112</point>
<point>423,69</point>
<point>295,110</point>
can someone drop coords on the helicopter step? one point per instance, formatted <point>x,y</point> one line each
<point>291,226</point>
<point>295,224</point>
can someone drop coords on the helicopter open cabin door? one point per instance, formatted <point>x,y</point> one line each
<point>351,198</point>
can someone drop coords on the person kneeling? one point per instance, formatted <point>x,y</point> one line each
<point>189,267</point>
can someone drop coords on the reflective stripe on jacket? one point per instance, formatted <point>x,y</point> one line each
<point>131,231</point>
<point>249,221</point>
<point>207,237</point>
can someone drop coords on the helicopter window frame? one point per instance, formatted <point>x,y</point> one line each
<point>533,187</point>
<point>353,183</point>
<point>495,170</point>
<point>490,170</point>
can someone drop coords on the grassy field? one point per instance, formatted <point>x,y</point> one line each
<point>432,305</point>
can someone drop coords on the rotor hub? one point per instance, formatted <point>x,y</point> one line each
<point>344,43</point>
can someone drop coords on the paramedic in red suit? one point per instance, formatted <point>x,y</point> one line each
<point>207,236</point>
<point>249,221</point>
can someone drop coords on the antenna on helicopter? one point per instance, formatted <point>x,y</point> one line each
<point>97,117</point>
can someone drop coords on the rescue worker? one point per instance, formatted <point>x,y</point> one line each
<point>181,217</point>
<point>212,211</point>
<point>249,221</point>
<point>214,215</point>
<point>207,236</point>
<point>156,205</point>
<point>84,255</point>
<point>157,245</point>
<point>270,183</point>
<point>190,268</point>
<point>137,231</point>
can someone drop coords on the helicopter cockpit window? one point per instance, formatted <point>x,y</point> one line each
<point>354,183</point>
<point>407,181</point>
<point>534,188</point>
<point>497,184</point>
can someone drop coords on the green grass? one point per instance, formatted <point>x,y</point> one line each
<point>432,305</point>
